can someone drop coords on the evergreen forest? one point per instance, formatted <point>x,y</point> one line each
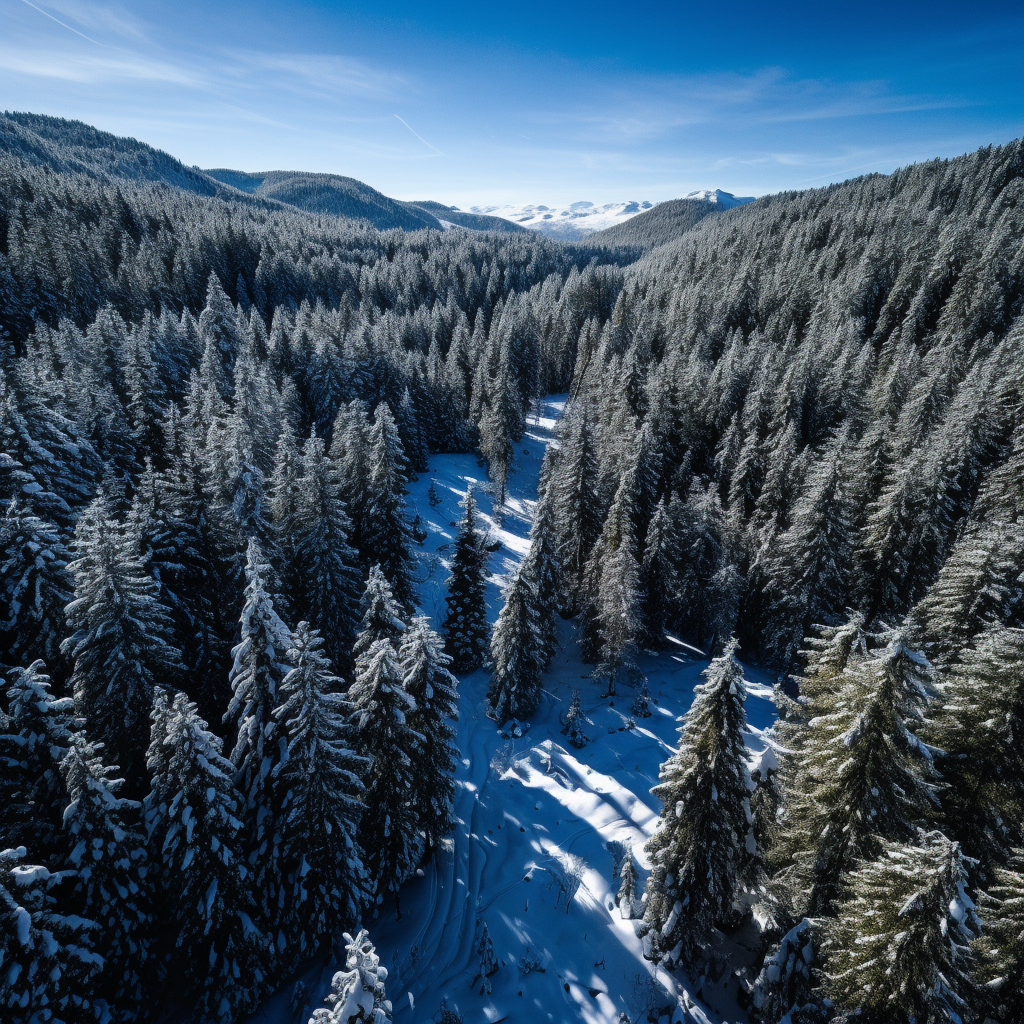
<point>793,438</point>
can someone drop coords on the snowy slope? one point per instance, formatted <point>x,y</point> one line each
<point>716,195</point>
<point>568,222</point>
<point>517,823</point>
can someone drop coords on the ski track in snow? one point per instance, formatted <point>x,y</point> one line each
<point>513,827</point>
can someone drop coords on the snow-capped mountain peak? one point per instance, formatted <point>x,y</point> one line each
<point>572,221</point>
<point>716,195</point>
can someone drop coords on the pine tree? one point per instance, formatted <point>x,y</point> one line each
<point>35,587</point>
<point>358,993</point>
<point>786,982</point>
<point>1000,950</point>
<point>615,588</point>
<point>382,616</point>
<point>701,849</point>
<point>35,734</point>
<point>900,946</point>
<point>108,855</point>
<point>325,584</point>
<point>318,786</point>
<point>488,962</point>
<point>256,675</point>
<point>207,887</point>
<point>641,702</point>
<point>854,772</point>
<point>382,708</point>
<point>120,642</point>
<point>809,571</point>
<point>46,953</point>
<point>978,730</point>
<point>659,579</point>
<point>543,572</point>
<point>515,654</point>
<point>627,887</point>
<point>387,530</point>
<point>431,685</point>
<point>572,727</point>
<point>577,507</point>
<point>465,625</point>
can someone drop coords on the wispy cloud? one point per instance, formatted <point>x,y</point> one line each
<point>418,136</point>
<point>101,66</point>
<point>319,74</point>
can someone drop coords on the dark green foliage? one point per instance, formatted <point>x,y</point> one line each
<point>465,625</point>
<point>701,850</point>
<point>516,654</point>
<point>900,947</point>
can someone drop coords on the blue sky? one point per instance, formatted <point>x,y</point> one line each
<point>545,102</point>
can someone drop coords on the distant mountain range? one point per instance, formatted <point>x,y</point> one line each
<point>578,220</point>
<point>71,146</point>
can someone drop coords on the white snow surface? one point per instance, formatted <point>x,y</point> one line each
<point>716,195</point>
<point>518,829</point>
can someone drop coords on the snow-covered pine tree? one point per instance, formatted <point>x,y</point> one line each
<point>515,654</point>
<point>387,531</point>
<point>325,584</point>
<point>978,584</point>
<point>641,702</point>
<point>577,507</point>
<point>465,625</point>
<point>899,948</point>
<point>659,574</point>
<point>543,572</point>
<point>318,787</point>
<point>382,616</point>
<point>256,675</point>
<point>615,589</point>
<point>35,586</point>
<point>701,849</point>
<point>978,730</point>
<point>854,771</point>
<point>786,982</point>
<point>208,891</point>
<point>627,887</point>
<point>358,993</point>
<point>46,953</point>
<point>572,727</point>
<point>35,734</point>
<point>381,712</point>
<point>488,962</point>
<point>120,642</point>
<point>427,679</point>
<point>110,884</point>
<point>1000,950</point>
<point>809,570</point>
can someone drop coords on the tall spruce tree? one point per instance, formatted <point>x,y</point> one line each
<point>256,675</point>
<point>36,588</point>
<point>46,952</point>
<point>427,679</point>
<point>465,625</point>
<point>382,616</point>
<point>120,644</point>
<point>516,653</point>
<point>702,848</point>
<point>36,734</point>
<point>108,855</point>
<point>325,583</point>
<point>208,890</point>
<point>384,736</point>
<point>978,727</point>
<point>318,787</point>
<point>543,572</point>
<point>1000,950</point>
<point>854,771</point>
<point>388,534</point>
<point>899,949</point>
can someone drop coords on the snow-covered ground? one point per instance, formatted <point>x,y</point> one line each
<point>519,820</point>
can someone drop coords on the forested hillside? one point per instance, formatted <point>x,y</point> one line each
<point>796,432</point>
<point>665,223</point>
